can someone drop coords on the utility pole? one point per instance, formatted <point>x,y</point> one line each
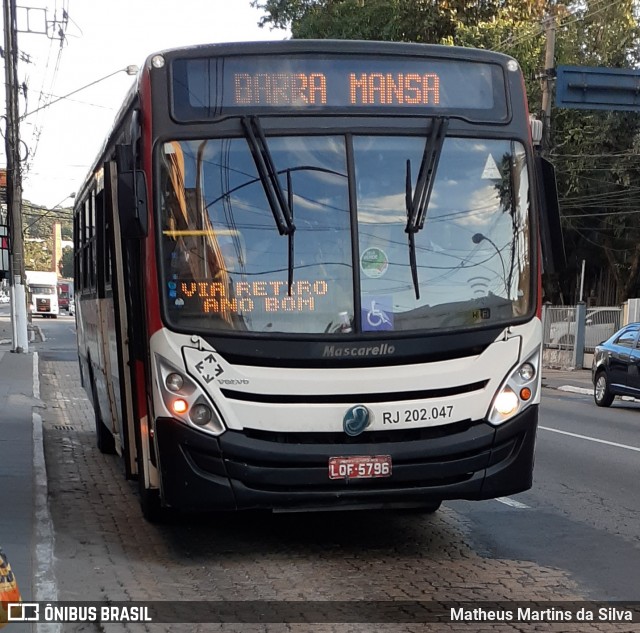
<point>548,76</point>
<point>20,340</point>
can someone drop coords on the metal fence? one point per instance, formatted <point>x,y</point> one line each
<point>559,326</point>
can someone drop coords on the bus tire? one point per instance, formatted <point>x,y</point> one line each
<point>150,504</point>
<point>104,439</point>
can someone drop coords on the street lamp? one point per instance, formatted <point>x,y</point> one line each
<point>479,237</point>
<point>131,70</point>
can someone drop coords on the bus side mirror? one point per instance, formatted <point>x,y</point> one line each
<point>553,253</point>
<point>132,204</point>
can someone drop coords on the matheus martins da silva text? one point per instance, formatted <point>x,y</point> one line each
<point>551,614</point>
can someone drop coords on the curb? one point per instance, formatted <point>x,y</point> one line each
<point>45,585</point>
<point>569,388</point>
<point>586,391</point>
<point>572,389</point>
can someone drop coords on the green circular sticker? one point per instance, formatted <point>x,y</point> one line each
<point>374,262</point>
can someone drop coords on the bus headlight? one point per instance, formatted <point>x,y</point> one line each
<point>517,392</point>
<point>527,371</point>
<point>506,402</point>
<point>174,382</point>
<point>185,400</point>
<point>201,414</point>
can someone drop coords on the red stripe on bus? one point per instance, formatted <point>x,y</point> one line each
<point>154,322</point>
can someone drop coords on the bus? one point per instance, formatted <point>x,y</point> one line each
<point>308,276</point>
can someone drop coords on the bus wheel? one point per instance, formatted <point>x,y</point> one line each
<point>104,439</point>
<point>152,509</point>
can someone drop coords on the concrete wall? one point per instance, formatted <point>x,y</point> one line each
<point>563,359</point>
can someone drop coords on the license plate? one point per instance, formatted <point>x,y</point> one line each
<point>360,467</point>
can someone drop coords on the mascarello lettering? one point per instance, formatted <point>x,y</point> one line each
<point>343,351</point>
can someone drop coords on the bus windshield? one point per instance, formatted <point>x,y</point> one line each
<point>42,290</point>
<point>346,266</point>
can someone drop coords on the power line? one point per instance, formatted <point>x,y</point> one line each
<point>602,215</point>
<point>590,14</point>
<point>510,43</point>
<point>50,211</point>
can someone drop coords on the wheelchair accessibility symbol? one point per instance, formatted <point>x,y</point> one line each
<point>378,315</point>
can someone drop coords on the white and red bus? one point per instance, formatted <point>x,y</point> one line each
<point>308,276</point>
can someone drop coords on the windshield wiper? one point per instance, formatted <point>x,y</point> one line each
<point>417,202</point>
<point>281,207</point>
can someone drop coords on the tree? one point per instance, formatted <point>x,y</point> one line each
<point>416,20</point>
<point>36,255</point>
<point>38,221</point>
<point>596,157</point>
<point>398,20</point>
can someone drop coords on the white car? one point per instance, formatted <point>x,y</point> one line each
<point>4,298</point>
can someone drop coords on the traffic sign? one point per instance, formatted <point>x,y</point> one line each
<point>595,88</point>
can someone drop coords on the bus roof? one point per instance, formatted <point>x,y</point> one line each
<point>335,46</point>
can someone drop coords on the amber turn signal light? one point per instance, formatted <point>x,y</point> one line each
<point>180,406</point>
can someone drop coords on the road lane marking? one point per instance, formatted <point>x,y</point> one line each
<point>591,439</point>
<point>508,501</point>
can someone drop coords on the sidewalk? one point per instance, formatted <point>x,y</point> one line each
<point>576,381</point>
<point>20,447</point>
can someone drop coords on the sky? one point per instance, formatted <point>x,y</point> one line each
<point>62,140</point>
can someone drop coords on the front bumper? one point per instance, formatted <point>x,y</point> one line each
<point>259,470</point>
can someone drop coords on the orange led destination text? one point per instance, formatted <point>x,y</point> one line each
<point>274,89</point>
<point>244,297</point>
<point>391,89</point>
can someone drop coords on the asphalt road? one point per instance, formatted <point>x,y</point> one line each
<point>583,512</point>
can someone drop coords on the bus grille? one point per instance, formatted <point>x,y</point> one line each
<point>370,437</point>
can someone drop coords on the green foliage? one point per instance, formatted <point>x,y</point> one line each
<point>37,222</point>
<point>595,155</point>
<point>37,225</point>
<point>396,20</point>
<point>37,256</point>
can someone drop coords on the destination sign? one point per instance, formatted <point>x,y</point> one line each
<point>246,297</point>
<point>311,89</point>
<point>205,87</point>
